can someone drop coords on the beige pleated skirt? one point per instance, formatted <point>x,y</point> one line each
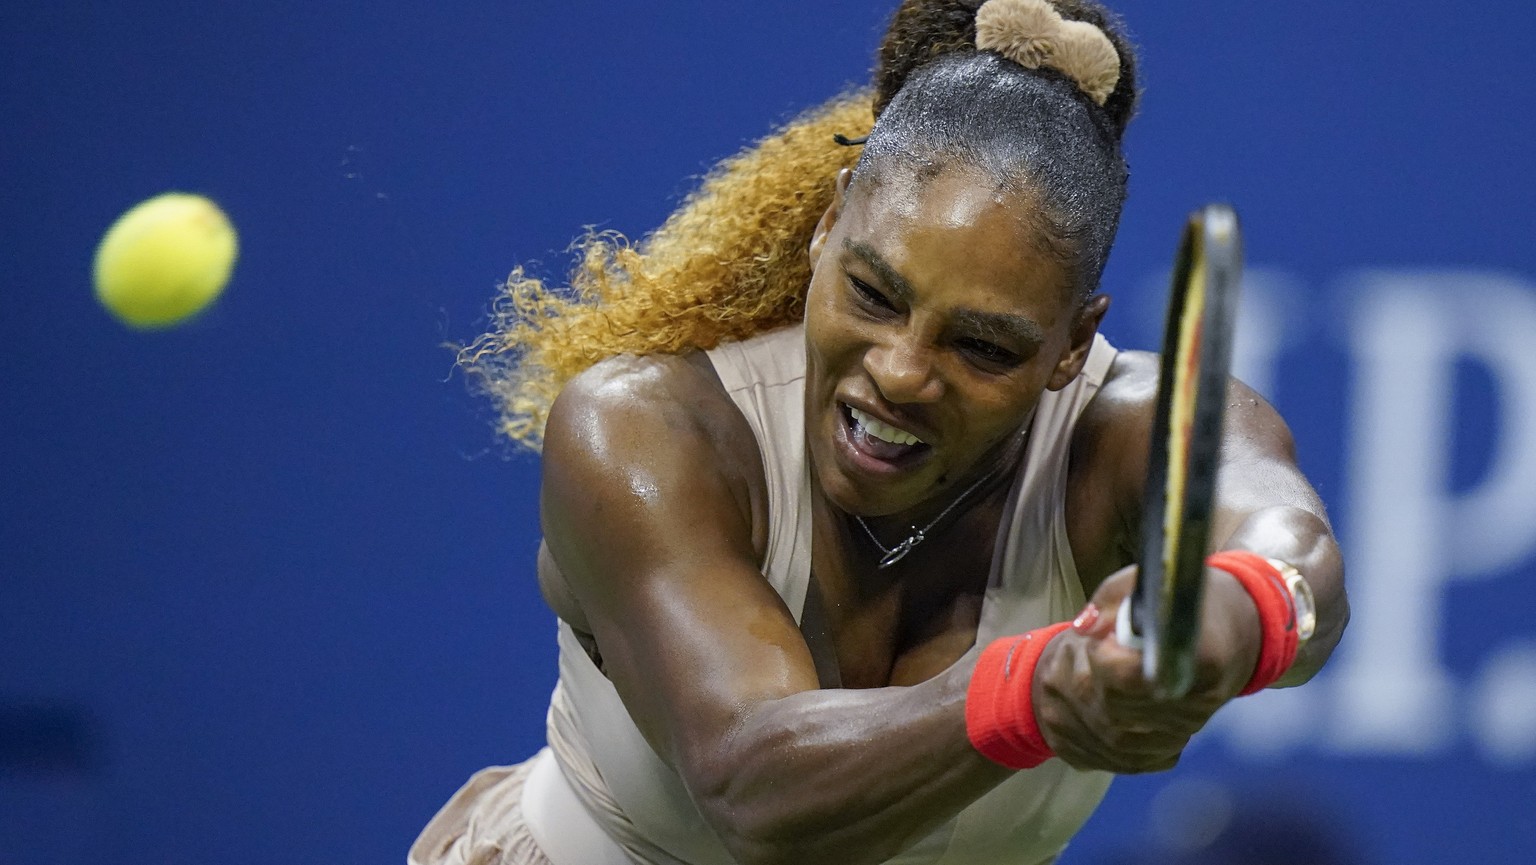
<point>482,824</point>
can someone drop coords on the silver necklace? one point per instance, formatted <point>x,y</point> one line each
<point>895,554</point>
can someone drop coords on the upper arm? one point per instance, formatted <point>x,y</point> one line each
<point>1264,503</point>
<point>649,509</point>
<point>1258,466</point>
<point>1111,450</point>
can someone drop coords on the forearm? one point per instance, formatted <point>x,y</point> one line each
<point>847,776</point>
<point>1304,540</point>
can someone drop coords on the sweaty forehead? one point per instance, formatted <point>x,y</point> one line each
<point>912,172</point>
<point>955,221</point>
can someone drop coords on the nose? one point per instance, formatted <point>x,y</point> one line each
<point>903,370</point>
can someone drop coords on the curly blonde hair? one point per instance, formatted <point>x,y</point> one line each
<point>731,262</point>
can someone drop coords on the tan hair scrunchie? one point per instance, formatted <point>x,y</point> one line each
<point>1033,34</point>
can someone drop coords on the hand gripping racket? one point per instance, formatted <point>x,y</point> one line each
<point>1162,614</point>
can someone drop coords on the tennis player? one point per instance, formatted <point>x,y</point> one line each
<point>842,486</point>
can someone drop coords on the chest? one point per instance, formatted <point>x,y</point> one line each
<point>870,627</point>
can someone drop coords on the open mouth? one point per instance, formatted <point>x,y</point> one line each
<point>878,444</point>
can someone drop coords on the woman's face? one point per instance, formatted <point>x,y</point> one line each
<point>933,325</point>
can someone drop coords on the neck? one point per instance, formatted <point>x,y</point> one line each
<point>958,498</point>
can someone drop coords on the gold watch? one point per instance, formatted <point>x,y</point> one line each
<point>1302,600</point>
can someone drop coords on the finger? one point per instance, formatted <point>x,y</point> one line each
<point>1065,691</point>
<point>1127,696</point>
<point>1088,740</point>
<point>1117,668</point>
<point>1081,728</point>
<point>1175,718</point>
<point>1115,588</point>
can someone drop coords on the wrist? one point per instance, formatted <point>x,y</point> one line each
<point>1285,614</point>
<point>999,704</point>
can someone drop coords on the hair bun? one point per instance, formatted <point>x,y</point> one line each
<point>1033,34</point>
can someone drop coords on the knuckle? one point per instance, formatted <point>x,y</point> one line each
<point>1049,713</point>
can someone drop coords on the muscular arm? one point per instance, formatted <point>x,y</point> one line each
<point>1267,506</point>
<point>1264,504</point>
<point>647,506</point>
<point>1096,710</point>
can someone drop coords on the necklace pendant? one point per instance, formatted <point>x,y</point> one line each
<point>899,552</point>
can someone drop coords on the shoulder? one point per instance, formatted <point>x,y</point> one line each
<point>1116,424</point>
<point>1112,439</point>
<point>645,437</point>
<point>1108,458</point>
<point>665,386</point>
<point>1129,388</point>
<point>660,407</point>
<point>1111,447</point>
<point>1120,417</point>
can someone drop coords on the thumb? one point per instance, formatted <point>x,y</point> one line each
<point>1098,618</point>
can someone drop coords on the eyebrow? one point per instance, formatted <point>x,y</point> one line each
<point>983,324</point>
<point>894,281</point>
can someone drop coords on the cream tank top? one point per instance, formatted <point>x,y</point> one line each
<point>642,804</point>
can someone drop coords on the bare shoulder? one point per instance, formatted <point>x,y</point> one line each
<point>1115,430</point>
<point>1111,438</point>
<point>679,391</point>
<point>1129,392</point>
<point>1109,449</point>
<point>632,414</point>
<point>634,444</point>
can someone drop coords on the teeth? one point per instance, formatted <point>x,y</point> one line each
<point>883,431</point>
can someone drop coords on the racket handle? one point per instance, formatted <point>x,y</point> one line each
<point>1125,629</point>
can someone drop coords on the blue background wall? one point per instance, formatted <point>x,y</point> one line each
<point>266,584</point>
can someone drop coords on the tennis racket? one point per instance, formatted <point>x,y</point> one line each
<point>1162,615</point>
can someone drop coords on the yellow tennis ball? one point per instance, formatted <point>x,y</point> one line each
<point>165,260</point>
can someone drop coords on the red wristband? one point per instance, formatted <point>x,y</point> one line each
<point>1277,613</point>
<point>999,708</point>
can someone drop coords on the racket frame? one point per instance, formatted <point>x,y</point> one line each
<point>1164,608</point>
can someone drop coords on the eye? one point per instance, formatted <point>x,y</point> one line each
<point>869,294</point>
<point>987,352</point>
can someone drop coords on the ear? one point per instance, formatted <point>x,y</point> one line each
<point>829,218</point>
<point>1083,332</point>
